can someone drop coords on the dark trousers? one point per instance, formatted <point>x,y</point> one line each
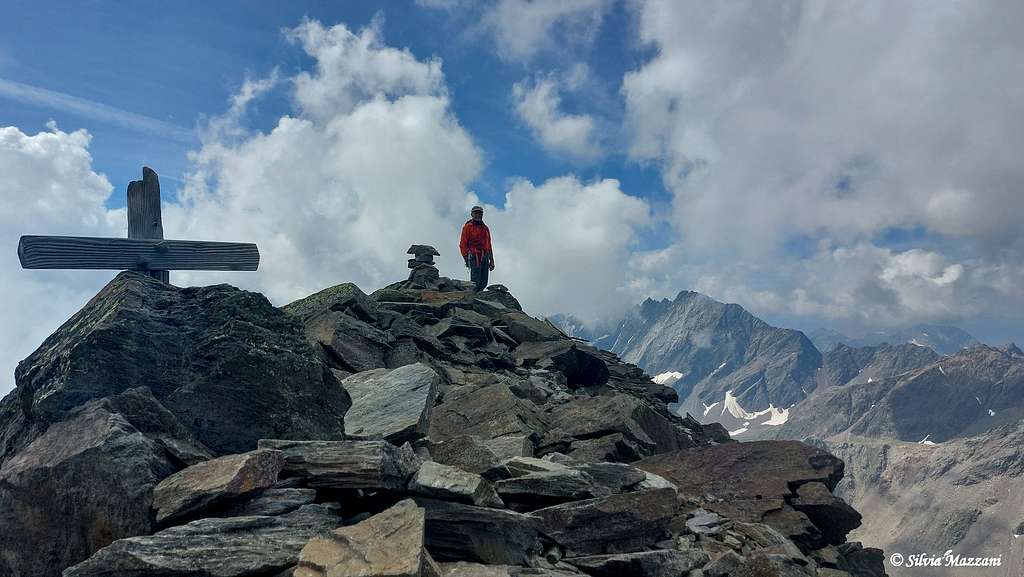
<point>478,271</point>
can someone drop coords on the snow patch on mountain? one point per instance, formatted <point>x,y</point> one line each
<point>667,378</point>
<point>775,418</point>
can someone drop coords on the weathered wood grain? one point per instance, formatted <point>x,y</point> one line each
<point>144,218</point>
<point>79,252</point>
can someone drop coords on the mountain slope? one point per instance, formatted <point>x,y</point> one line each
<point>967,489</point>
<point>845,365</point>
<point>944,339</point>
<point>957,396</point>
<point>717,348</point>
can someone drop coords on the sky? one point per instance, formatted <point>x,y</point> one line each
<point>848,165</point>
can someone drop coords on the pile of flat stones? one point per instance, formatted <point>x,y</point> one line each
<point>371,508</point>
<point>470,439</point>
<point>423,273</point>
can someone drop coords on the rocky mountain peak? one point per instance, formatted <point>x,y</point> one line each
<point>201,431</point>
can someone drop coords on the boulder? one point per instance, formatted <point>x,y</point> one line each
<point>524,328</point>
<point>665,563</point>
<point>580,364</point>
<point>487,412</point>
<point>452,484</point>
<point>88,481</point>
<point>342,298</point>
<point>545,488</point>
<point>393,404</point>
<point>618,477</point>
<point>388,544</point>
<point>510,446</point>
<point>347,464</point>
<point>611,427</point>
<point>467,452</point>
<point>621,523</point>
<point>348,344</point>
<point>457,532</point>
<point>231,367</point>
<point>705,523</point>
<point>500,297</point>
<point>274,501</point>
<point>747,479</point>
<point>612,447</point>
<point>833,516</point>
<point>519,466</point>
<point>231,547</point>
<point>202,485</point>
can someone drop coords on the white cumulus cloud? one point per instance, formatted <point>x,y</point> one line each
<point>779,126</point>
<point>538,105</point>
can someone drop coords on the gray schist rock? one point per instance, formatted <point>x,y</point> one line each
<point>393,404</point>
<point>451,484</point>
<point>618,477</point>
<point>617,427</point>
<point>666,563</point>
<point>615,524</point>
<point>705,523</point>
<point>202,485</point>
<point>545,488</point>
<point>347,464</point>
<point>339,323</point>
<point>457,532</point>
<point>580,364</point>
<point>232,547</point>
<point>274,501</point>
<point>87,481</point>
<point>225,362</point>
<point>388,544</point>
<point>489,412</point>
<point>467,452</point>
<point>524,328</point>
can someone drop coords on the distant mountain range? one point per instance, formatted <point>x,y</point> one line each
<point>929,421</point>
<point>943,339</point>
<point>727,365</point>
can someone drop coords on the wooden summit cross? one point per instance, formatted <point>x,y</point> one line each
<point>145,249</point>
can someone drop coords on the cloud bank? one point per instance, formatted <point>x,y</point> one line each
<point>801,140</point>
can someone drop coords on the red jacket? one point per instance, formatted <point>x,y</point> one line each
<point>476,240</point>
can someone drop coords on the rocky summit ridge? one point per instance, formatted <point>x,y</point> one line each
<point>422,430</point>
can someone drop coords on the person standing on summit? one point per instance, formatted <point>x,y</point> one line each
<point>475,246</point>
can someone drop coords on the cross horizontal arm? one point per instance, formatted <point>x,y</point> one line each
<point>81,252</point>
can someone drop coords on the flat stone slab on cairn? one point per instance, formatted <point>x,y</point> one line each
<point>423,254</point>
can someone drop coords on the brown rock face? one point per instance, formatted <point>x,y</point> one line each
<point>751,478</point>
<point>389,544</point>
<point>191,490</point>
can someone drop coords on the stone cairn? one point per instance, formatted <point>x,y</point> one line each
<point>423,272</point>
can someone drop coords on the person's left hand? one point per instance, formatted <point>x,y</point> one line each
<point>491,266</point>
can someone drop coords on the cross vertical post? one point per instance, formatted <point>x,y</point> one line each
<point>144,218</point>
<point>145,250</point>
